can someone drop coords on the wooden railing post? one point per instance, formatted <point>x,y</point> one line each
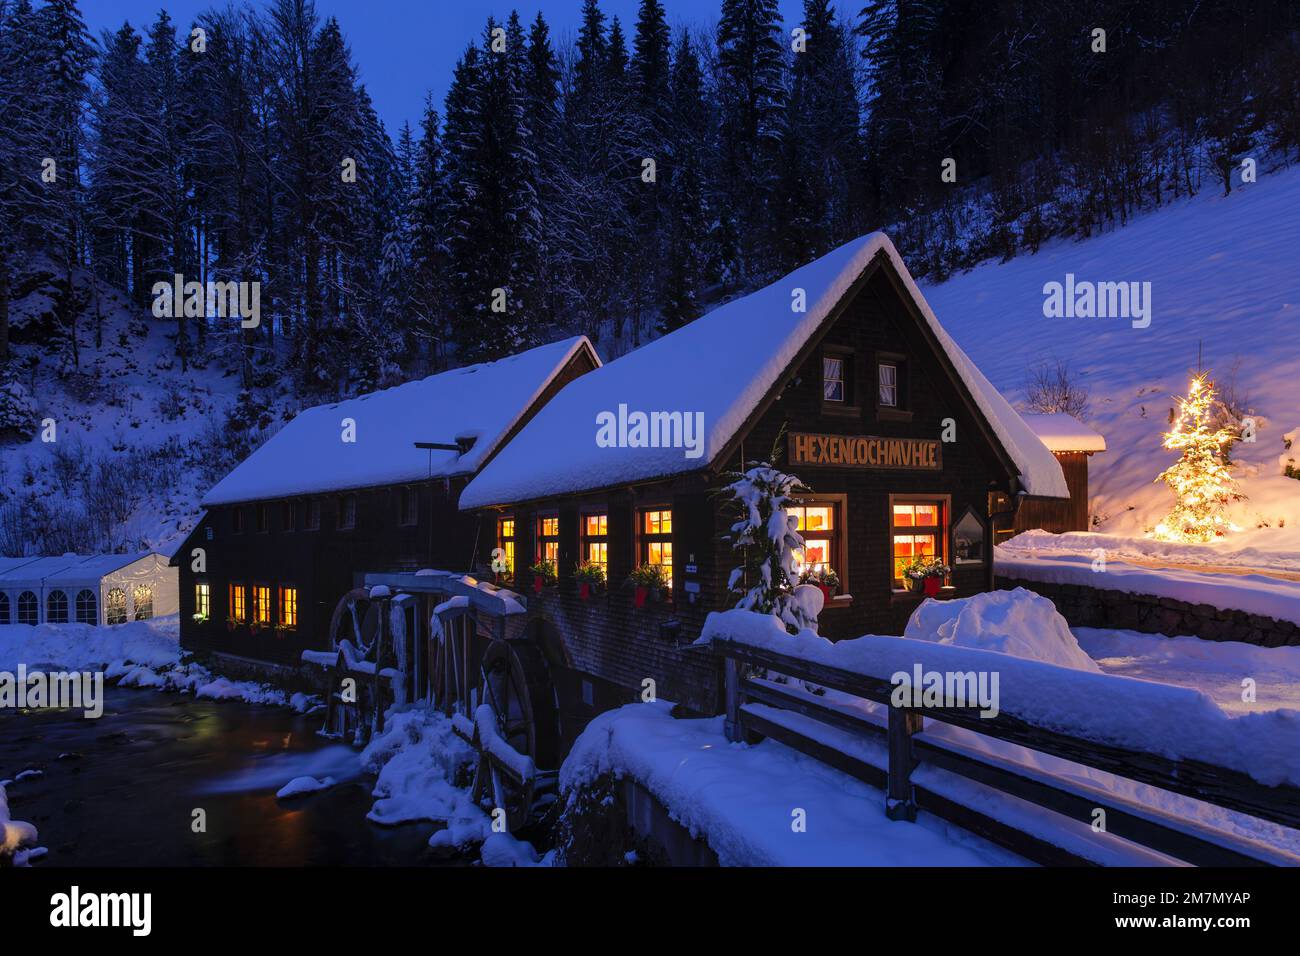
<point>900,798</point>
<point>731,688</point>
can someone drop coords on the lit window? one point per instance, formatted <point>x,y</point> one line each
<point>56,608</point>
<point>820,528</point>
<point>917,533</point>
<point>657,540</point>
<point>833,378</point>
<point>888,375</point>
<point>202,599</point>
<point>548,539</point>
<point>142,598</point>
<point>261,604</point>
<point>87,611</point>
<point>506,545</point>
<point>595,540</point>
<point>238,603</point>
<point>115,607</point>
<point>288,607</point>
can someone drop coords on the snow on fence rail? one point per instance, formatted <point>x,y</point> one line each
<point>1173,738</point>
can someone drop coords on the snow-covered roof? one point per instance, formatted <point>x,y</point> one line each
<point>34,572</point>
<point>1062,432</point>
<point>721,365</point>
<point>30,572</point>
<point>483,402</point>
<point>96,566</point>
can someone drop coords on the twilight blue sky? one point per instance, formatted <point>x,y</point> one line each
<point>407,48</point>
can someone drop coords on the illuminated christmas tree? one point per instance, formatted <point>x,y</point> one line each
<point>1200,480</point>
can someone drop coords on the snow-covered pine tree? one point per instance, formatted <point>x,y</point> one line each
<point>768,537</point>
<point>751,61</point>
<point>1203,486</point>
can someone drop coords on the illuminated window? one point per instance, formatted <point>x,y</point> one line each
<point>820,526</point>
<point>506,545</point>
<point>142,600</point>
<point>918,531</point>
<point>595,540</point>
<point>202,599</point>
<point>657,540</point>
<point>56,608</point>
<point>238,602</point>
<point>87,611</point>
<point>288,607</point>
<point>114,607</point>
<point>833,389</point>
<point>261,604</point>
<point>548,539</point>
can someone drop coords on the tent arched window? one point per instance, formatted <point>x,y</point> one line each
<point>4,608</point>
<point>28,608</point>
<point>86,609</point>
<point>142,596</point>
<point>115,607</point>
<point>56,608</point>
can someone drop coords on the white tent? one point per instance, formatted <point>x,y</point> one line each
<point>99,589</point>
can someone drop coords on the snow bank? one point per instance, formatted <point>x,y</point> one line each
<point>1176,722</point>
<point>745,800</point>
<point>152,643</point>
<point>1224,553</point>
<point>1020,623</point>
<point>17,839</point>
<point>1252,593</point>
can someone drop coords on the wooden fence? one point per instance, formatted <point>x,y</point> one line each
<point>757,707</point>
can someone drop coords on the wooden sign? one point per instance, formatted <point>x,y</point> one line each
<point>865,451</point>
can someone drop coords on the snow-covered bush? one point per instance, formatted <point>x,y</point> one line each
<point>768,537</point>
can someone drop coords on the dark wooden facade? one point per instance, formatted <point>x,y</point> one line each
<point>1058,515</point>
<point>321,563</point>
<point>603,651</point>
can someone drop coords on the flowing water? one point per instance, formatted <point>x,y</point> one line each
<point>123,790</point>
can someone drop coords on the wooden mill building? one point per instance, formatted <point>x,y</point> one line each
<point>841,365</point>
<point>343,489</point>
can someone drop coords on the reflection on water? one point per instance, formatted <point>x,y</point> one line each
<point>123,790</point>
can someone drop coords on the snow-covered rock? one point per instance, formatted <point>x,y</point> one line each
<point>299,786</point>
<point>1020,623</point>
<point>17,839</point>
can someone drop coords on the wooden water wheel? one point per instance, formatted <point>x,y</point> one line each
<point>355,703</point>
<point>516,687</point>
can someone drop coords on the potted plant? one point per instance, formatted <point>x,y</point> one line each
<point>647,579</point>
<point>231,623</point>
<point>281,630</point>
<point>826,580</point>
<point>543,575</point>
<point>925,574</point>
<point>200,619</point>
<point>589,576</point>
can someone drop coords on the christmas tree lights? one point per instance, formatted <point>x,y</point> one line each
<point>1200,480</point>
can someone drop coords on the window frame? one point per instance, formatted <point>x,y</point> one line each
<point>345,518</point>
<point>135,605</point>
<point>108,605</point>
<point>281,591</point>
<point>94,606</point>
<point>49,607</point>
<point>311,514</point>
<point>6,608</point>
<point>237,523</point>
<point>586,539</point>
<point>34,603</point>
<point>512,551</point>
<point>941,531</point>
<point>257,588</point>
<point>851,403</point>
<point>541,540</point>
<point>408,506</point>
<point>288,515</point>
<point>261,518</point>
<point>839,537</point>
<point>238,609</point>
<point>646,538</point>
<point>203,598</point>
<point>901,411</point>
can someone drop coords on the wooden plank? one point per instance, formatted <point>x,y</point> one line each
<point>868,773</point>
<point>1226,788</point>
<point>731,689</point>
<point>900,801</point>
<point>763,692</point>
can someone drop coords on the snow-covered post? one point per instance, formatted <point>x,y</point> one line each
<point>768,536</point>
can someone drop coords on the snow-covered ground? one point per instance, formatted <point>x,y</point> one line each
<point>1224,280</point>
<point>135,654</point>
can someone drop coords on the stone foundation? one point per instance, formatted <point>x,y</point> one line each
<point>1084,606</point>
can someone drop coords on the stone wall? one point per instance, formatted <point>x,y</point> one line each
<point>1084,606</point>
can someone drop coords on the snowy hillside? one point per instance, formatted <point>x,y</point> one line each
<point>1223,276</point>
<point>136,439</point>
